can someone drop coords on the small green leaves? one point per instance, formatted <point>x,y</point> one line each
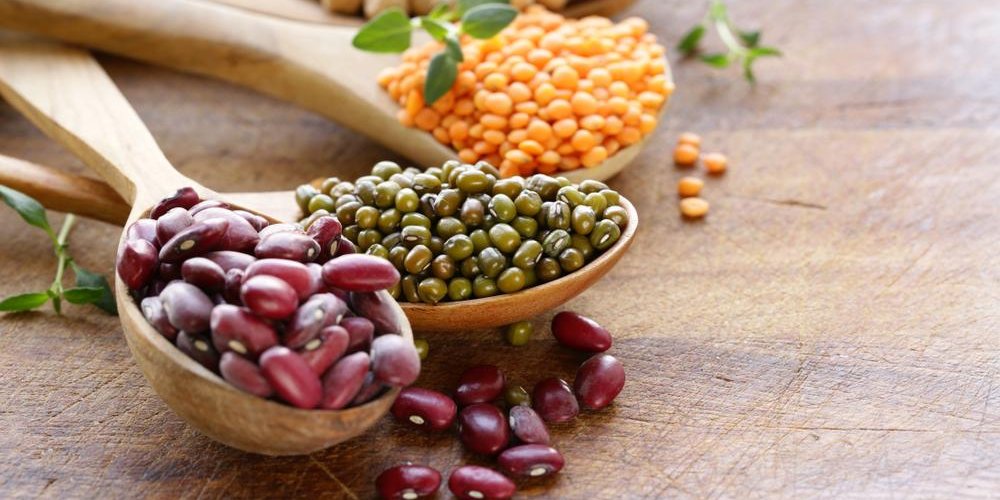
<point>87,279</point>
<point>440,77</point>
<point>453,48</point>
<point>24,302</point>
<point>30,210</point>
<point>83,295</point>
<point>436,28</point>
<point>467,5</point>
<point>485,21</point>
<point>389,32</point>
<point>742,46</point>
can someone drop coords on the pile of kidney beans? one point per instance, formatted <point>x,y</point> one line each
<point>275,310</point>
<point>484,428</point>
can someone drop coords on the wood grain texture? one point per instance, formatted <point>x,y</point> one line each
<point>831,329</point>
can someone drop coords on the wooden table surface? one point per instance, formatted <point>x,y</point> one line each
<point>831,329</point>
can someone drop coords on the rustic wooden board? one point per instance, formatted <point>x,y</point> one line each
<point>832,328</point>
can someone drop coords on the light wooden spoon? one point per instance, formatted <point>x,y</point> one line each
<point>309,64</point>
<point>70,98</point>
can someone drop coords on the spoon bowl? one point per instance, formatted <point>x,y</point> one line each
<point>70,98</point>
<point>312,65</point>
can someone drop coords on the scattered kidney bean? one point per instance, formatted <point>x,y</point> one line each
<point>244,375</point>
<point>554,401</point>
<point>360,273</point>
<point>379,308</point>
<point>329,347</point>
<point>291,377</point>
<point>198,348</point>
<point>171,223</point>
<point>319,311</point>
<point>197,239</point>
<point>424,408</point>
<point>138,263</point>
<point>394,360</point>
<point>408,482</point>
<point>472,482</point>
<point>360,331</point>
<point>579,332</point>
<point>152,309</point>
<point>187,307</point>
<point>483,428</point>
<point>236,329</point>
<point>342,382</point>
<point>203,274</point>
<point>527,426</point>
<point>240,236</point>
<point>289,245</point>
<point>185,197</point>
<point>599,380</point>
<point>531,460</point>
<point>294,273</point>
<point>228,259</point>
<point>269,297</point>
<point>479,384</point>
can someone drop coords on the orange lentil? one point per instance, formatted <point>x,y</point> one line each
<point>559,109</point>
<point>493,122</point>
<point>528,107</point>
<point>484,148</point>
<point>539,130</point>
<point>629,136</point>
<point>583,141</point>
<point>476,131</point>
<point>499,103</point>
<point>592,122</point>
<point>545,93</point>
<point>690,138</point>
<point>459,130</point>
<point>517,156</point>
<point>685,155</point>
<point>583,104</point>
<point>594,157</point>
<point>689,186</point>
<point>694,207</point>
<point>467,155</point>
<point>549,158</point>
<point>531,147</point>
<point>517,136</point>
<point>427,119</point>
<point>565,78</point>
<point>519,92</point>
<point>494,137</point>
<point>647,123</point>
<point>565,128</point>
<point>715,163</point>
<point>508,169</point>
<point>519,120</point>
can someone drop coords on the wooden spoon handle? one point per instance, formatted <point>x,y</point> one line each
<point>64,192</point>
<point>71,99</point>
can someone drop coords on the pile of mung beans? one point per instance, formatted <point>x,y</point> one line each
<point>278,311</point>
<point>460,231</point>
<point>499,419</point>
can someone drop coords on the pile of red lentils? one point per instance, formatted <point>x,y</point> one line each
<point>686,154</point>
<point>547,94</point>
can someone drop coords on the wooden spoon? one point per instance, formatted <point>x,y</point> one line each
<point>309,64</point>
<point>70,98</point>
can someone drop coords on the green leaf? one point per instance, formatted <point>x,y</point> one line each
<point>717,11</point>
<point>389,32</point>
<point>441,11</point>
<point>467,5</point>
<point>750,38</point>
<point>763,52</point>
<point>87,279</point>
<point>485,21</point>
<point>454,48</point>
<point>689,43</point>
<point>23,302</point>
<point>717,60</point>
<point>437,29</point>
<point>441,76</point>
<point>83,295</point>
<point>27,207</point>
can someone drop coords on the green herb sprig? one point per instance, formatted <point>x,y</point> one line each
<point>90,288</point>
<point>743,46</point>
<point>390,32</point>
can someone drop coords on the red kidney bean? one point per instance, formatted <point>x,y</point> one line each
<point>269,297</point>
<point>360,333</point>
<point>240,236</point>
<point>320,310</point>
<point>479,384</point>
<point>580,332</point>
<point>169,272</point>
<point>203,274</point>
<point>316,284</point>
<point>171,223</point>
<point>244,375</point>
<point>187,307</point>
<point>236,329</point>
<point>287,245</point>
<point>322,352</point>
<point>294,273</point>
<point>326,231</point>
<point>527,426</point>
<point>137,263</point>
<point>554,401</point>
<point>531,460</point>
<point>185,197</point>
<point>255,220</point>
<point>228,259</point>
<point>199,238</point>
<point>371,388</point>
<point>152,309</point>
<point>483,428</point>
<point>424,408</point>
<point>280,228</point>
<point>198,348</point>
<point>599,380</point>
<point>407,482</point>
<point>343,381</point>
<point>394,360</point>
<point>291,377</point>
<point>232,287</point>
<point>142,229</point>
<point>380,309</point>
<point>207,204</point>
<point>472,482</point>
<point>155,288</point>
<point>345,247</point>
<point>360,273</point>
